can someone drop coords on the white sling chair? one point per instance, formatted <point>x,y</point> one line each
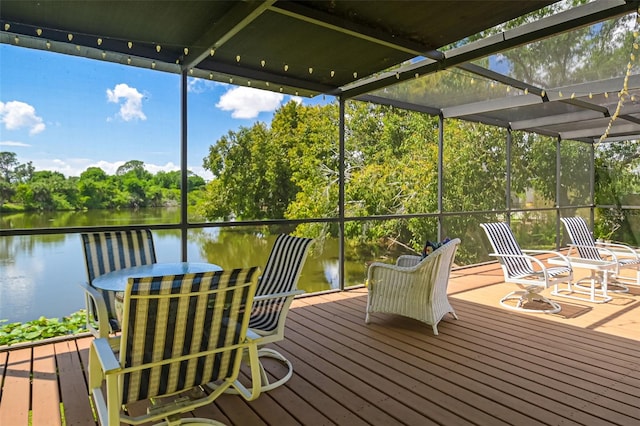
<point>623,255</point>
<point>518,267</point>
<point>277,287</point>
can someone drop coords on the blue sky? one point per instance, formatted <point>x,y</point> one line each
<point>67,113</point>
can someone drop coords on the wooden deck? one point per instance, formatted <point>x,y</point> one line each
<point>491,367</point>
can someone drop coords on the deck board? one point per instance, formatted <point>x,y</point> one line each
<point>16,391</point>
<point>45,387</point>
<point>492,366</point>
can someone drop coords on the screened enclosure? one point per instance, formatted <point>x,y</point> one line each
<point>523,112</point>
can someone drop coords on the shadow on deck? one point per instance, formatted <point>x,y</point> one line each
<point>491,367</point>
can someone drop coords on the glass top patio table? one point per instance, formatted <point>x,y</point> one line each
<point>117,280</point>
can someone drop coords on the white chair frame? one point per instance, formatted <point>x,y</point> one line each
<point>524,267</point>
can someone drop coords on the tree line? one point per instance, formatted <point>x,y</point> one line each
<point>22,187</point>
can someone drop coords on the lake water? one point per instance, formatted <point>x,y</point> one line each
<point>39,275</point>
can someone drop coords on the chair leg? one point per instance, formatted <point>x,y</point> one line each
<point>530,294</point>
<point>271,353</point>
<point>265,384</point>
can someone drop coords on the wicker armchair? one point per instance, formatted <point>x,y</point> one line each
<point>413,287</point>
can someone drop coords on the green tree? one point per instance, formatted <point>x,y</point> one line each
<point>617,183</point>
<point>8,161</point>
<point>135,167</point>
<point>169,180</point>
<point>7,191</point>
<point>95,189</point>
<point>24,172</point>
<point>254,168</point>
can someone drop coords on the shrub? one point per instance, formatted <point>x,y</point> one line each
<point>42,328</point>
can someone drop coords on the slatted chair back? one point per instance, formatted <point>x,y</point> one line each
<point>581,237</point>
<point>504,243</point>
<point>280,275</point>
<point>109,251</point>
<point>183,331</point>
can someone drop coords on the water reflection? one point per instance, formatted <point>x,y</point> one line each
<point>39,274</point>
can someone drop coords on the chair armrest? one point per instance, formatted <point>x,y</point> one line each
<point>601,250</point>
<point>389,269</point>
<point>102,361</point>
<point>622,250</point>
<point>266,297</point>
<point>401,264</point>
<point>108,361</point>
<point>385,280</point>
<point>269,301</point>
<point>551,252</point>
<point>535,260</point>
<point>93,295</point>
<point>103,367</point>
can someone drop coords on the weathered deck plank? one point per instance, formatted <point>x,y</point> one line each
<point>491,367</point>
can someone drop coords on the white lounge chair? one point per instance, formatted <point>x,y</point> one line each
<point>518,267</point>
<point>624,256</point>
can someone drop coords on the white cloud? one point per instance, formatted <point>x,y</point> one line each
<point>16,115</point>
<point>202,172</point>
<point>246,102</point>
<point>296,99</point>
<point>169,167</point>
<point>14,143</point>
<point>154,168</point>
<point>130,101</point>
<point>199,85</point>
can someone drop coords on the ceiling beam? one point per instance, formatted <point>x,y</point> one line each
<point>410,106</point>
<point>240,73</point>
<point>551,120</point>
<point>501,78</point>
<point>622,138</point>
<point>551,95</point>
<point>484,107</point>
<point>223,29</point>
<point>587,14</point>
<point>597,132</point>
<point>345,26</point>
